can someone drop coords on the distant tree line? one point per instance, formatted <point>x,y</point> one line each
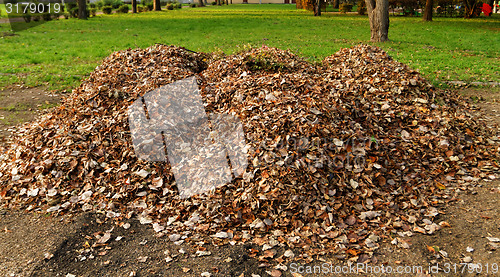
<point>441,8</point>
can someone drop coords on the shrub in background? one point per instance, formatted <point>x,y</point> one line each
<point>361,7</point>
<point>115,4</point>
<point>72,9</point>
<point>448,8</point>
<point>170,6</point>
<point>123,9</point>
<point>192,5</point>
<point>73,12</point>
<point>345,8</point>
<point>93,12</point>
<point>107,9</point>
<point>71,5</point>
<point>46,16</point>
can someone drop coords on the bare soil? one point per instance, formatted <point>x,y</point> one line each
<point>19,105</point>
<point>43,245</point>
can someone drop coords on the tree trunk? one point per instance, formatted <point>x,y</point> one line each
<point>200,3</point>
<point>429,5</point>
<point>317,7</point>
<point>134,6</point>
<point>378,14</point>
<point>157,5</point>
<point>336,4</point>
<point>82,9</point>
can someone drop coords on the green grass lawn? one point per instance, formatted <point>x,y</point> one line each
<point>57,54</point>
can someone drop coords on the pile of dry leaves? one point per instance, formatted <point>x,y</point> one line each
<point>343,153</point>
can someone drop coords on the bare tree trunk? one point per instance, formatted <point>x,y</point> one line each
<point>317,7</point>
<point>378,14</point>
<point>336,4</point>
<point>82,9</point>
<point>429,5</point>
<point>134,6</point>
<point>156,5</point>
<point>200,3</point>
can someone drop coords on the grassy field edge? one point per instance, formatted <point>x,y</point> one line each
<point>58,54</point>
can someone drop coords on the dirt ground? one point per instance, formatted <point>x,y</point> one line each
<point>18,105</point>
<point>43,245</point>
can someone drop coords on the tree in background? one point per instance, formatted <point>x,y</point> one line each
<point>378,14</point>
<point>200,3</point>
<point>311,5</point>
<point>82,9</point>
<point>317,7</point>
<point>156,5</point>
<point>429,5</point>
<point>134,6</point>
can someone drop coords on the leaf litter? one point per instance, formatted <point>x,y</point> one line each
<point>342,153</point>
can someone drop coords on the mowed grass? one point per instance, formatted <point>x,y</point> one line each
<point>58,54</point>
